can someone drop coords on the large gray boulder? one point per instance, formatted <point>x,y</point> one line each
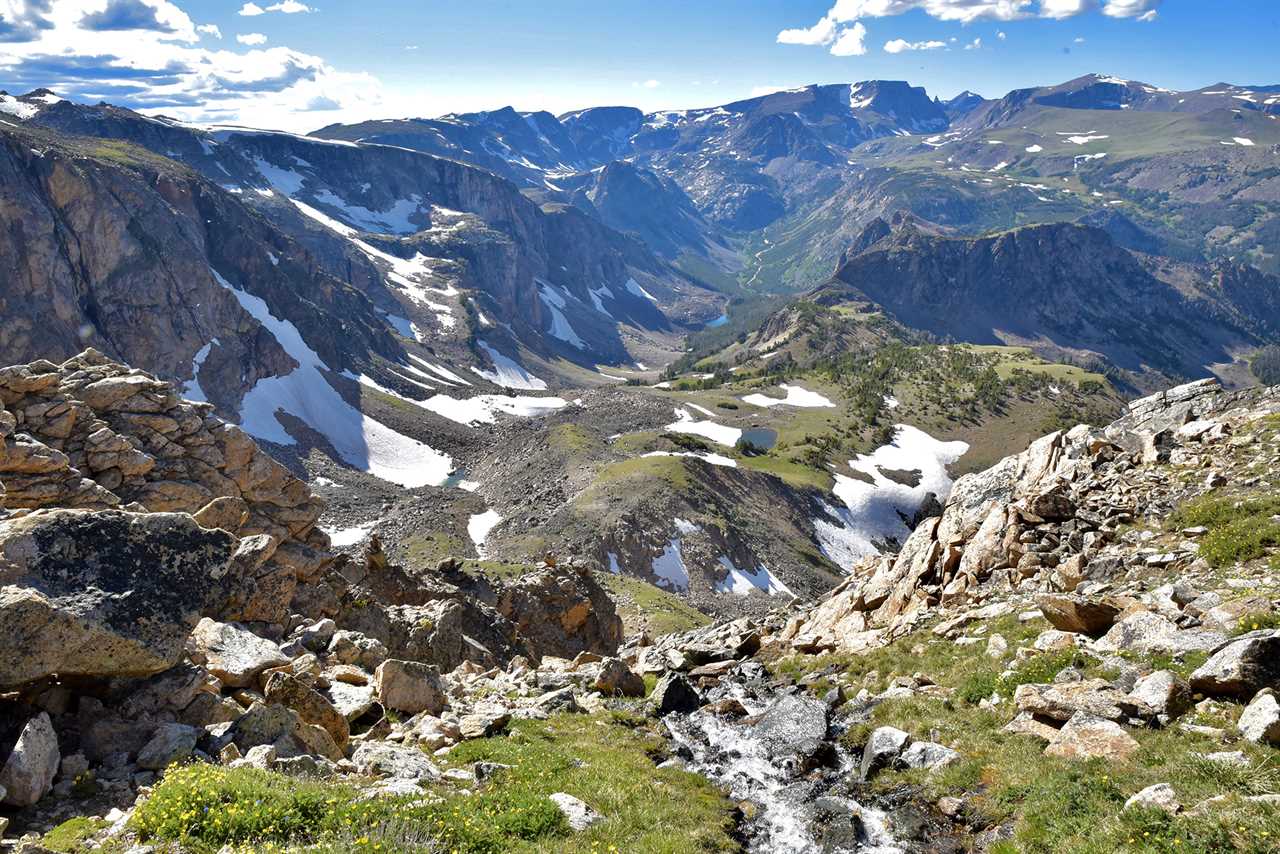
<point>27,775</point>
<point>1242,667</point>
<point>103,593</point>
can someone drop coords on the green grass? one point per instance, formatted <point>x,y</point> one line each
<point>793,472</point>
<point>73,835</point>
<point>430,547</point>
<point>642,605</point>
<point>605,760</point>
<point>1240,527</point>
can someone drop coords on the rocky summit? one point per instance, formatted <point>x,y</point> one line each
<point>667,462</point>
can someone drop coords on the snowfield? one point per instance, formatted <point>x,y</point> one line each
<point>479,526</point>
<point>742,583</point>
<point>305,394</point>
<point>873,512</point>
<point>507,372</point>
<point>796,396</point>
<point>720,433</point>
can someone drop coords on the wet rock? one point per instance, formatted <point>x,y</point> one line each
<point>881,750</point>
<point>793,729</point>
<point>27,775</point>
<point>674,693</point>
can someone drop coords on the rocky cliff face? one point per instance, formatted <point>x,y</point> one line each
<point>1063,289</point>
<point>167,596</point>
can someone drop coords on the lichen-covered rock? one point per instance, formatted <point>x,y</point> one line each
<point>104,593</point>
<point>233,653</point>
<point>409,686</point>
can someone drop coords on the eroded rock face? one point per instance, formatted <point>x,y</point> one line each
<point>90,433</point>
<point>562,612</point>
<point>104,593</point>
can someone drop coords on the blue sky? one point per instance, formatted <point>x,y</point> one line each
<point>300,64</point>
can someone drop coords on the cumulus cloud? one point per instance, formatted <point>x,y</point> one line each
<point>287,7</point>
<point>251,38</point>
<point>845,15</point>
<point>22,20</point>
<point>902,45</point>
<point>852,41</point>
<point>1002,35</point>
<point>146,55</point>
<point>838,30</point>
<point>976,44</point>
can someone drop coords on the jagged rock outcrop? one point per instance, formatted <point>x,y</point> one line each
<point>94,434</point>
<point>1045,520</point>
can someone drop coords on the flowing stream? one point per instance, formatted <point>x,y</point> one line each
<point>783,758</point>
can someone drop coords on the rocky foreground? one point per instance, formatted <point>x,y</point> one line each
<point>1080,653</point>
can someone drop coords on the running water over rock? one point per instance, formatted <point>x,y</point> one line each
<point>779,755</point>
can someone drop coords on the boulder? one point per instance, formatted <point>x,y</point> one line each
<point>1260,721</point>
<point>387,759</point>
<point>1161,796</point>
<point>1242,667</point>
<point>409,686</point>
<point>233,653</point>
<point>172,742</point>
<point>1086,736</point>
<point>575,812</point>
<point>104,593</point>
<point>1149,633</point>
<point>1079,614</point>
<point>881,750</point>
<point>27,775</point>
<point>927,754</point>
<point>562,611</point>
<point>617,679</point>
<point>674,693</point>
<point>1060,702</point>
<point>312,707</point>
<point>484,722</point>
<point>1164,692</point>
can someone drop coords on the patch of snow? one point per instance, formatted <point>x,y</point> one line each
<point>479,526</point>
<point>191,390</point>
<point>718,322</point>
<point>12,106</point>
<point>741,583</point>
<point>304,393</point>
<point>1085,139</point>
<point>796,396</point>
<point>874,512</point>
<point>721,433</point>
<point>560,326</point>
<point>404,327</point>
<point>634,287</point>
<point>1242,140</point>
<point>393,221</point>
<point>443,373</point>
<point>890,401</point>
<point>341,538</point>
<point>1034,149</point>
<point>702,409</point>
<point>614,566</point>
<point>670,569</point>
<point>507,372</point>
<point>707,457</point>
<point>597,294</point>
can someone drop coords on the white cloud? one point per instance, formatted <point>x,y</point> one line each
<point>902,45</point>
<point>652,84</point>
<point>411,47</point>
<point>145,55</point>
<point>210,30</point>
<point>1079,39</point>
<point>821,33</point>
<point>831,28</point>
<point>1143,10</point>
<point>287,7</point>
<point>1148,17</point>
<point>1002,35</point>
<point>251,38</point>
<point>852,41</point>
<point>976,44</point>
